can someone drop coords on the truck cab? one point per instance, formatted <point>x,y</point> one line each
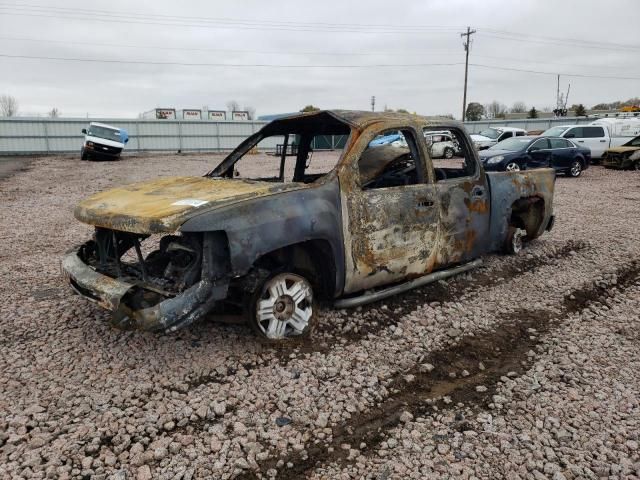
<point>102,141</point>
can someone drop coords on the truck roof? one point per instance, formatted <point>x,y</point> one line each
<point>361,119</point>
<point>104,125</point>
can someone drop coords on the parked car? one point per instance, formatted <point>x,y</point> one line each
<point>624,157</point>
<point>103,141</point>
<point>523,153</point>
<point>441,144</point>
<point>490,136</point>
<point>382,220</point>
<point>595,137</point>
<point>387,139</point>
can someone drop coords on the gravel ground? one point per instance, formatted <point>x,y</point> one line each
<point>524,368</point>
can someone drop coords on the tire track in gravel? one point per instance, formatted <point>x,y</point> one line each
<point>408,302</point>
<point>502,351</point>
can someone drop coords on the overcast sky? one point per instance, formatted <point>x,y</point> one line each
<point>320,37</point>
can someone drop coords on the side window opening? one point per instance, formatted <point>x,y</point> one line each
<point>299,151</point>
<point>390,163</point>
<point>451,158</point>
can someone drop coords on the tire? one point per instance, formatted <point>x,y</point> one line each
<point>515,241</point>
<point>576,169</point>
<point>282,307</point>
<point>448,152</point>
<point>512,167</point>
<point>83,155</point>
<point>636,166</point>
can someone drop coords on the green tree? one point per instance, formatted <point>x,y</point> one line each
<point>580,111</point>
<point>533,113</point>
<point>309,108</point>
<point>475,111</point>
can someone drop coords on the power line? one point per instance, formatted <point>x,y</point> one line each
<point>273,65</point>
<point>127,19</point>
<point>558,39</point>
<point>561,42</point>
<point>244,21</point>
<point>400,53</point>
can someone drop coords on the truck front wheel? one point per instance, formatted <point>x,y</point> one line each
<point>283,307</point>
<point>83,154</point>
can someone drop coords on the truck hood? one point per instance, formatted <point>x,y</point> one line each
<point>103,141</point>
<point>623,149</point>
<point>481,138</point>
<point>163,204</point>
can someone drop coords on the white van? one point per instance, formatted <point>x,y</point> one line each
<point>103,141</point>
<point>597,136</point>
<point>490,136</point>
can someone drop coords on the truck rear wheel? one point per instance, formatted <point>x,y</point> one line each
<point>282,307</point>
<point>515,240</point>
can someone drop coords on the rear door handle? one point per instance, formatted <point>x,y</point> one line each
<point>602,141</point>
<point>425,203</point>
<point>580,141</point>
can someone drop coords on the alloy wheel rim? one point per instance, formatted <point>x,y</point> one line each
<point>513,167</point>
<point>285,306</point>
<point>575,169</point>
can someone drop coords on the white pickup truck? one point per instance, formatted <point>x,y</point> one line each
<point>597,136</point>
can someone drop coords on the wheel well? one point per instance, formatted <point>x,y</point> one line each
<point>314,258</point>
<point>528,214</point>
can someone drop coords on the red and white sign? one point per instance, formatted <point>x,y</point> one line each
<point>165,114</point>
<point>191,115</point>
<point>239,115</point>
<point>217,115</point>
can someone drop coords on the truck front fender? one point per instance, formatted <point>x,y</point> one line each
<point>259,226</point>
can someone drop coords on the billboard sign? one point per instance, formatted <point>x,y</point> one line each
<point>165,114</point>
<point>217,115</point>
<point>191,115</point>
<point>239,115</point>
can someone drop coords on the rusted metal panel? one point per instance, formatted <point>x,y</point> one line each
<point>164,204</point>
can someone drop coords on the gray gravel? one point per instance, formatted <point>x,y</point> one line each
<point>372,397</point>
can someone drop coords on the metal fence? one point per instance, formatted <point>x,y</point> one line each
<point>44,136</point>
<point>28,136</point>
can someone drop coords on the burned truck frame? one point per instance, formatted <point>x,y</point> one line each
<point>168,252</point>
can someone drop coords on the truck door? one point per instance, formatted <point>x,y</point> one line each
<point>464,198</point>
<point>597,139</point>
<point>390,212</point>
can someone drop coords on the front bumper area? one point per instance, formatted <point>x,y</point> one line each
<point>110,293</point>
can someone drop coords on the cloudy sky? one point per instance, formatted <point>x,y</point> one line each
<point>278,56</point>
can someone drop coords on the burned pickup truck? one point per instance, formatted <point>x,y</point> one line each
<point>267,237</point>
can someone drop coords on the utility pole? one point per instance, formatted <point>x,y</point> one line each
<point>373,103</point>
<point>466,44</point>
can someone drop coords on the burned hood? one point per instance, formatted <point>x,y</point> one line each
<point>163,204</point>
<point>623,149</point>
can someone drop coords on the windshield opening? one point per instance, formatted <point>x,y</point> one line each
<point>298,149</point>
<point>491,133</point>
<point>633,143</point>
<point>554,132</point>
<point>513,144</point>
<point>106,133</point>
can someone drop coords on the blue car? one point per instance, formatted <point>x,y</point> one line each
<point>386,139</point>
<point>522,153</point>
